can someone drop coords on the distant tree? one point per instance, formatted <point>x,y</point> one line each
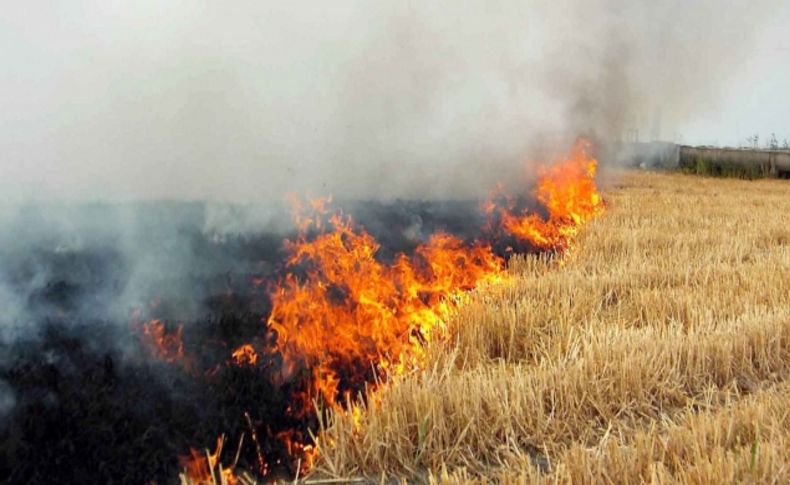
<point>786,144</point>
<point>773,144</point>
<point>756,139</point>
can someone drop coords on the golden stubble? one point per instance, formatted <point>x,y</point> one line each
<point>656,350</point>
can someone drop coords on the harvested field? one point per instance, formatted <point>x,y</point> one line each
<point>657,350</point>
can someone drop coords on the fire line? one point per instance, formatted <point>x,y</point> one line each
<point>342,320</point>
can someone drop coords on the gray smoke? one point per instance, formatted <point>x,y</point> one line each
<point>204,100</point>
<point>7,401</point>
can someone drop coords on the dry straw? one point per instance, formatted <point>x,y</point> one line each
<point>658,351</point>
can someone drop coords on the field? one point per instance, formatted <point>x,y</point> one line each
<point>657,349</point>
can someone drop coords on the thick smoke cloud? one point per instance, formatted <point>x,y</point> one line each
<point>245,102</point>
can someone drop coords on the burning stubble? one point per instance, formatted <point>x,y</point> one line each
<point>254,354</point>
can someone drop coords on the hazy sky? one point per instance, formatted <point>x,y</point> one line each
<point>758,101</point>
<point>248,99</point>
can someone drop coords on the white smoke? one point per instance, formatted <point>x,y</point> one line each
<point>244,102</point>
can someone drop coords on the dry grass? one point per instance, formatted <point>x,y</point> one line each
<point>657,351</point>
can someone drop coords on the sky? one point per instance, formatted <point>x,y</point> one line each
<point>758,100</point>
<point>249,100</point>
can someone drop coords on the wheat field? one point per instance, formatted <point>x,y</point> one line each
<point>657,350</point>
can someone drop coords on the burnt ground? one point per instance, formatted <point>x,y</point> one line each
<point>83,401</point>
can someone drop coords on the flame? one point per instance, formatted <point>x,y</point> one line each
<point>164,345</point>
<point>350,308</point>
<point>350,318</point>
<point>295,445</point>
<point>567,191</point>
<point>205,468</point>
<point>345,320</point>
<point>245,355</point>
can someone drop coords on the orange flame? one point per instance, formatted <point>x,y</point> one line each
<point>567,191</point>
<point>350,312</point>
<point>344,319</point>
<point>351,308</point>
<point>245,355</point>
<point>205,468</point>
<point>164,345</point>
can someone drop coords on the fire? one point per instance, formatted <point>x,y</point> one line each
<point>165,345</point>
<point>350,317</point>
<point>296,447</point>
<point>350,308</point>
<point>245,355</point>
<point>344,320</point>
<point>206,469</point>
<point>567,191</point>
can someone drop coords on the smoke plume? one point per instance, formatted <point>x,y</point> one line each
<point>195,100</point>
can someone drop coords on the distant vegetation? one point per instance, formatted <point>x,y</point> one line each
<point>705,166</point>
<point>772,143</point>
<point>746,163</point>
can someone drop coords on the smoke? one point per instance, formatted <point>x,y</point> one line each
<point>70,264</point>
<point>195,100</point>
<point>650,62</point>
<point>7,401</point>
